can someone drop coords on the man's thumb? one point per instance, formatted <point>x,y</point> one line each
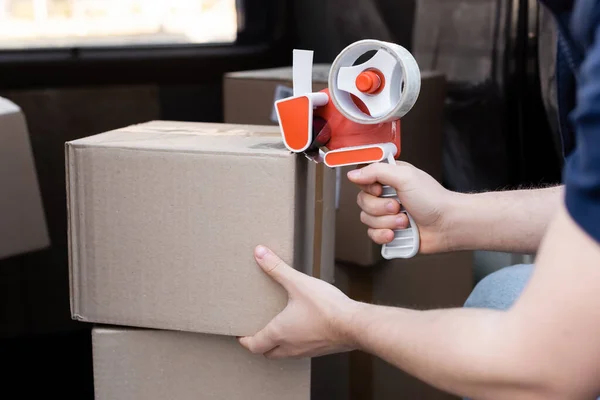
<point>275,267</point>
<point>385,174</point>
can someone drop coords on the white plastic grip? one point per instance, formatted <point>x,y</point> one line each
<point>302,71</point>
<point>406,242</point>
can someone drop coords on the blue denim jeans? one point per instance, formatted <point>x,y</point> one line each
<point>500,289</point>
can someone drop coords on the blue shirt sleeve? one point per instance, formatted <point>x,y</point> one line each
<point>582,167</point>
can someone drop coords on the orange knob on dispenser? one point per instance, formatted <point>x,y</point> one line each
<point>370,81</point>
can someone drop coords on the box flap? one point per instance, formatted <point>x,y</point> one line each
<point>191,137</point>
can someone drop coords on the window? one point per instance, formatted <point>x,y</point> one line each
<point>55,43</point>
<point>52,24</point>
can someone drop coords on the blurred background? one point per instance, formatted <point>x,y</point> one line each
<point>59,23</point>
<point>81,67</point>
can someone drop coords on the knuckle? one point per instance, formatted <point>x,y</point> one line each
<point>277,264</point>
<point>275,333</point>
<point>360,199</point>
<point>375,189</point>
<point>378,236</point>
<point>371,233</point>
<point>252,347</point>
<point>367,204</point>
<point>364,218</point>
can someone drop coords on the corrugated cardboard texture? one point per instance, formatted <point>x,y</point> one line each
<point>249,98</point>
<point>158,365</point>
<point>164,218</point>
<point>22,220</point>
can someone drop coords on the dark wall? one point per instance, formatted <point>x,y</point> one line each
<point>327,26</point>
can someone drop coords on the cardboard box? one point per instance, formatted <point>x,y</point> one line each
<point>157,365</point>
<point>249,99</point>
<point>164,218</point>
<point>22,221</point>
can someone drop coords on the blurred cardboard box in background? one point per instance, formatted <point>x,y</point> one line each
<point>22,220</point>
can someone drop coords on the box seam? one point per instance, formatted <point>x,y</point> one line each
<point>182,151</point>
<point>72,235</point>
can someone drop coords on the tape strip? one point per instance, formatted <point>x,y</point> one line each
<point>302,72</point>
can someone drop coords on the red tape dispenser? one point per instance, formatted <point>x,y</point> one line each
<point>356,120</point>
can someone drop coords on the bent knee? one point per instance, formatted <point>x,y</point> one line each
<point>500,289</point>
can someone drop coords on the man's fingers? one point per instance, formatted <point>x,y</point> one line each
<point>399,221</point>
<point>260,343</point>
<point>386,174</point>
<point>375,189</point>
<point>381,236</point>
<point>377,206</point>
<point>275,267</point>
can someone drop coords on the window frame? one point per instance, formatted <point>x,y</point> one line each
<point>262,40</point>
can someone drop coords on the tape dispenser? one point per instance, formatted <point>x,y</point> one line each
<point>356,120</point>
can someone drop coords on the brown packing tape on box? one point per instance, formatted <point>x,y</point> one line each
<point>140,244</point>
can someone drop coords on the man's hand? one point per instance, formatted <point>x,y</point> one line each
<point>314,320</point>
<point>545,347</point>
<point>510,221</point>
<point>424,198</point>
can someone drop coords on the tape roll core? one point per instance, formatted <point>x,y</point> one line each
<point>399,70</point>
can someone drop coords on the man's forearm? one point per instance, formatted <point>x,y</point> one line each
<point>511,221</point>
<point>545,347</point>
<point>460,351</point>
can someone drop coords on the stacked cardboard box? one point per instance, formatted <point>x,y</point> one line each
<point>423,282</point>
<point>163,220</point>
<point>23,227</point>
<point>22,220</point>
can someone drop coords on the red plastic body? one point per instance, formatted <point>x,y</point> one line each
<point>344,133</point>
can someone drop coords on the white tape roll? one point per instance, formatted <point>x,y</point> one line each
<point>401,86</point>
